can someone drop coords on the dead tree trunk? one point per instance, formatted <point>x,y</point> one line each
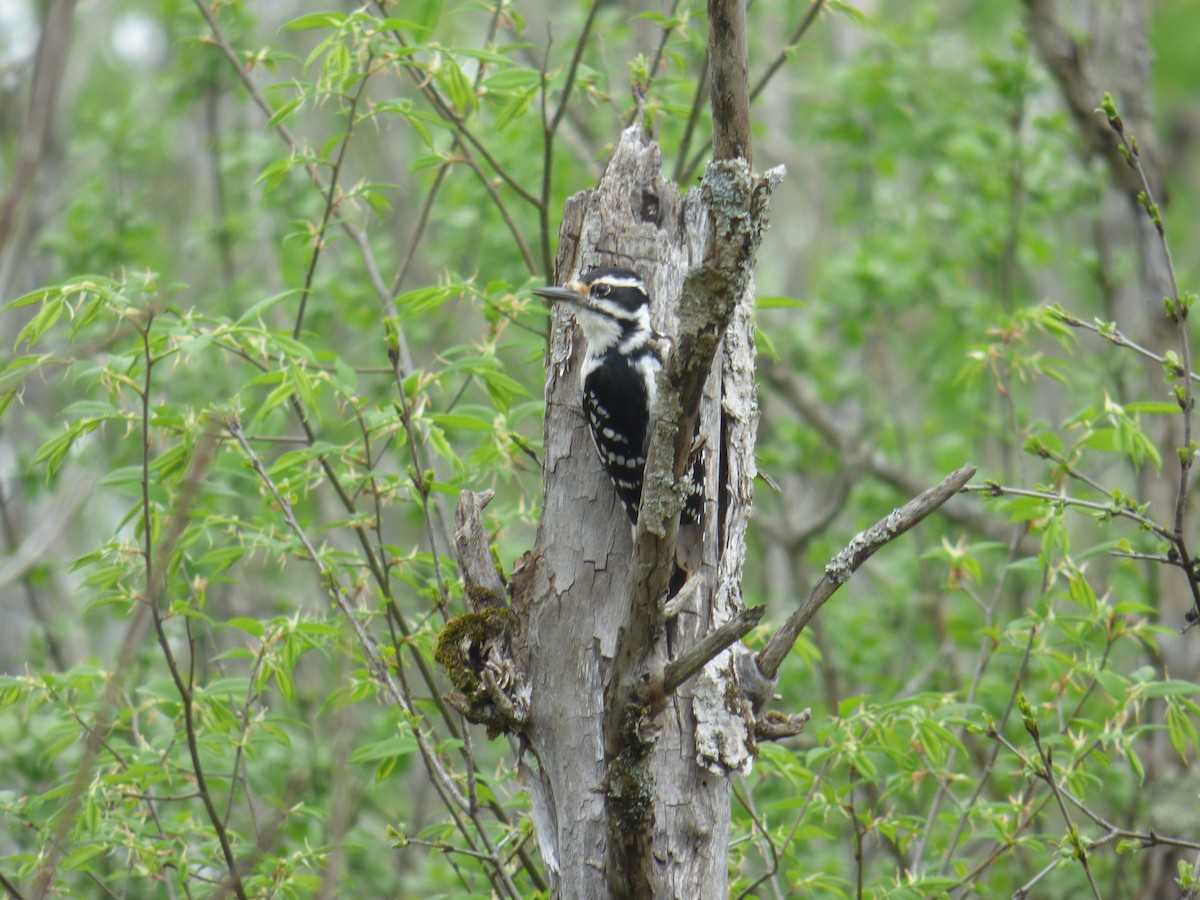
<point>630,708</point>
<point>633,784</point>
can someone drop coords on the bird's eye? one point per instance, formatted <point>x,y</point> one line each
<point>601,289</point>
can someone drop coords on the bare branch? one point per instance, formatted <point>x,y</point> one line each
<point>842,566</point>
<point>481,581</point>
<point>730,95</point>
<point>679,670</point>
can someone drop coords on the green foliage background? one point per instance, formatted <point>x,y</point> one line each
<point>344,278</point>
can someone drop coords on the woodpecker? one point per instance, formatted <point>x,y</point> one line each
<point>624,355</point>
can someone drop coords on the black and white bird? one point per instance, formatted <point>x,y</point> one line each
<point>624,355</point>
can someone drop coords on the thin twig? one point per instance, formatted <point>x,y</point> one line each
<point>573,68</point>
<point>987,651</point>
<point>452,797</point>
<point>33,546</point>
<point>1047,772</point>
<point>1183,557</point>
<point>426,86</point>
<point>1111,509</point>
<point>331,196</point>
<point>419,480</point>
<point>990,764</point>
<point>418,230</point>
<point>681,171</point>
<point>658,56</point>
<point>756,820</point>
<point>155,588</point>
<point>802,397</point>
<point>1177,309</point>
<point>357,235</point>
<point>858,835</point>
<point>49,67</point>
<point>1110,333</point>
<point>513,228</point>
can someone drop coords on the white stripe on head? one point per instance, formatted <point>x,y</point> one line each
<point>621,281</point>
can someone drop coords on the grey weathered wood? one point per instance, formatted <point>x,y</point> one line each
<point>572,594</point>
<point>730,89</point>
<point>481,582</point>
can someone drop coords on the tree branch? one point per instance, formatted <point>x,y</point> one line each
<point>481,582</point>
<point>729,65</point>
<point>842,566</point>
<point>679,670</point>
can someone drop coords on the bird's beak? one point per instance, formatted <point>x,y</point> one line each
<point>573,292</point>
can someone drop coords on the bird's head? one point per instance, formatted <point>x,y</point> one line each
<point>611,305</point>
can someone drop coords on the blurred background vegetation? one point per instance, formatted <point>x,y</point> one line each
<point>213,210</point>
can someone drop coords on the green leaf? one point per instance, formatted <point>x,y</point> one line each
<point>464,420</point>
<point>224,687</point>
<point>45,319</point>
<point>1170,688</point>
<point>1081,592</point>
<point>252,627</point>
<point>513,78</point>
<point>314,21</point>
<point>291,347</point>
<point>516,107</point>
<point>20,368</point>
<point>458,87</point>
<point>274,400</point>
<point>422,18</point>
<point>78,859</point>
<point>347,378</point>
<point>1153,407</point>
<point>55,450</point>
<point>1135,762</point>
<point>1181,729</point>
<point>779,302</point>
<point>275,172</point>
<point>400,745</point>
<point>422,300</point>
<point>284,112</point>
